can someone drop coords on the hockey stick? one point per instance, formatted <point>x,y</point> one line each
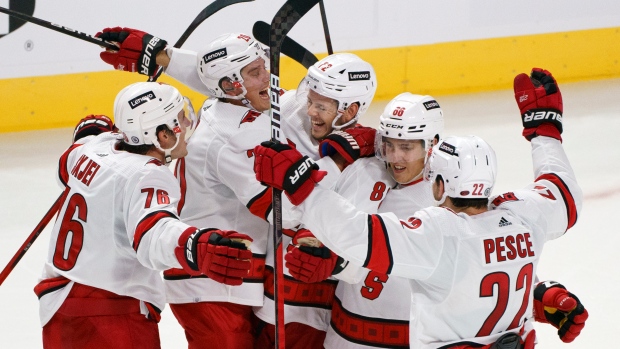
<point>284,20</point>
<point>328,39</point>
<point>202,16</point>
<point>60,29</point>
<point>290,47</point>
<point>31,238</point>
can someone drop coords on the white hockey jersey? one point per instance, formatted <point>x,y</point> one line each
<point>471,276</point>
<point>220,191</point>
<point>374,311</point>
<point>117,226</point>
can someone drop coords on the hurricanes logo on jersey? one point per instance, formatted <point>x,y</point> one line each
<point>250,116</point>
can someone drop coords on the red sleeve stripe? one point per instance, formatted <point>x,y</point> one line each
<point>146,224</point>
<point>569,201</point>
<point>260,205</point>
<point>63,171</point>
<point>379,256</point>
<point>179,172</point>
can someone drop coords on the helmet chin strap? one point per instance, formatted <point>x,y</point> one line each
<point>347,124</point>
<point>167,152</point>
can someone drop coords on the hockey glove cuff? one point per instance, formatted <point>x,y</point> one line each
<point>93,125</point>
<point>352,143</point>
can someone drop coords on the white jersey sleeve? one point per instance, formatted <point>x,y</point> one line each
<point>554,200</point>
<point>182,67</point>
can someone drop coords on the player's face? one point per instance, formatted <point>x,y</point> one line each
<point>405,158</point>
<point>322,111</point>
<point>256,82</point>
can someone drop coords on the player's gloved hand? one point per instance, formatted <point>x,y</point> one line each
<point>222,255</point>
<point>352,143</point>
<point>309,261</point>
<point>92,125</point>
<point>555,305</point>
<point>283,167</point>
<point>137,50</point>
<point>540,102</point>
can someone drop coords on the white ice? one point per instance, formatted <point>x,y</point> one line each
<point>584,260</point>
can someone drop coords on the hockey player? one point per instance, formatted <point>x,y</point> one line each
<point>463,256</point>
<point>378,304</point>
<point>217,177</point>
<point>118,227</point>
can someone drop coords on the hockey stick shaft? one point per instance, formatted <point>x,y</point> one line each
<point>31,238</point>
<point>202,16</point>
<point>289,47</point>
<point>60,29</point>
<point>284,20</point>
<point>328,39</point>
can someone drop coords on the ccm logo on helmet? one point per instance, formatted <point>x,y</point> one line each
<point>146,58</point>
<point>431,105</point>
<point>360,75</point>
<point>542,115</point>
<point>141,99</point>
<point>214,55</point>
<point>448,148</point>
<point>394,126</point>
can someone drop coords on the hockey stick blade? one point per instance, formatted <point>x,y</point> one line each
<point>202,16</point>
<point>284,20</point>
<point>289,47</point>
<point>60,29</point>
<point>31,238</point>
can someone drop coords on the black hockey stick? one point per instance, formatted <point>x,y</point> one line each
<point>328,39</point>
<point>284,20</point>
<point>202,16</point>
<point>60,29</point>
<point>289,47</point>
<point>31,238</point>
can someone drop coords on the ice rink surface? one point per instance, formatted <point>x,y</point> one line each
<point>585,260</point>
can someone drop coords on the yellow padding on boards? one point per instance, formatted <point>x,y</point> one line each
<point>436,69</point>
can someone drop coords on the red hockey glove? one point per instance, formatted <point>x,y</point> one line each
<point>93,125</point>
<point>311,263</point>
<point>555,305</point>
<point>284,168</point>
<point>137,50</point>
<point>222,255</point>
<point>540,101</point>
<point>352,144</point>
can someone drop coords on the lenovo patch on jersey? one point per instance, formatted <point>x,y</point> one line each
<point>448,148</point>
<point>431,105</point>
<point>141,99</point>
<point>214,54</point>
<point>359,75</point>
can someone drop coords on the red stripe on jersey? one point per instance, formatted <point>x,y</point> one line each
<point>569,201</point>
<point>379,256</point>
<point>63,171</point>
<point>298,293</point>
<point>179,173</point>
<point>50,285</point>
<point>260,205</point>
<point>374,332</point>
<point>146,224</point>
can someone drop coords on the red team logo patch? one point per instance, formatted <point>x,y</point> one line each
<point>250,116</point>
